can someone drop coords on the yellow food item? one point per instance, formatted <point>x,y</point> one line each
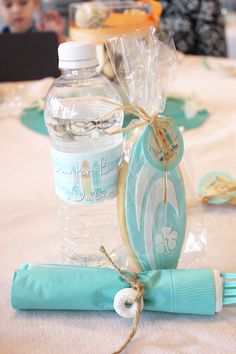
<point>121,212</point>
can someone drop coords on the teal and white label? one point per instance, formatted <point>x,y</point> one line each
<point>166,153</point>
<point>86,178</point>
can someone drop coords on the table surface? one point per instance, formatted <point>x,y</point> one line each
<point>28,234</point>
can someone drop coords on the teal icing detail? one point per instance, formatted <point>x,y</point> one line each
<point>168,236</point>
<point>156,231</point>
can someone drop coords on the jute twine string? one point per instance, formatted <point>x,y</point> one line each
<point>138,286</point>
<point>145,119</point>
<point>220,189</point>
<point>157,124</point>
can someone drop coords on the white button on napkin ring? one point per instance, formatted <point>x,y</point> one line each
<point>125,304</point>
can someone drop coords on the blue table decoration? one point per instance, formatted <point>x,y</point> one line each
<point>33,119</point>
<point>175,108</point>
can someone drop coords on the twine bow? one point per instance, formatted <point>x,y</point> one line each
<point>138,286</point>
<point>221,188</point>
<point>156,122</point>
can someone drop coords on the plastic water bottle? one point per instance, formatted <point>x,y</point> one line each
<point>85,158</point>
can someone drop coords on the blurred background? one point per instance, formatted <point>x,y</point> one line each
<point>228,11</point>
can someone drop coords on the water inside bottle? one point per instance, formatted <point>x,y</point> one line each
<point>79,128</point>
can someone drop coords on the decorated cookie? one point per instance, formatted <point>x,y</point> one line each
<point>156,227</point>
<point>121,213</point>
<point>152,209</point>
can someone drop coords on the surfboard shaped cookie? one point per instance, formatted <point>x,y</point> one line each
<point>155,228</point>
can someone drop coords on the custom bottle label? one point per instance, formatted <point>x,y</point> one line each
<point>86,178</point>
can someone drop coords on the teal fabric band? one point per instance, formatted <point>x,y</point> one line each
<point>61,287</point>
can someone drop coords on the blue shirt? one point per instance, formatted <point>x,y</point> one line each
<point>6,29</point>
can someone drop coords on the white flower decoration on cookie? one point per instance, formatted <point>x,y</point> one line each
<point>166,240</point>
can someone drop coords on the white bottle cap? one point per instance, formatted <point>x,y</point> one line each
<point>74,55</point>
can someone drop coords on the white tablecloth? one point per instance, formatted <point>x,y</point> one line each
<point>28,234</point>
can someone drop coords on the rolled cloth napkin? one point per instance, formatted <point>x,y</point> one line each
<point>65,287</point>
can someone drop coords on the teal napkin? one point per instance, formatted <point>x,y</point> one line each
<point>62,287</point>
